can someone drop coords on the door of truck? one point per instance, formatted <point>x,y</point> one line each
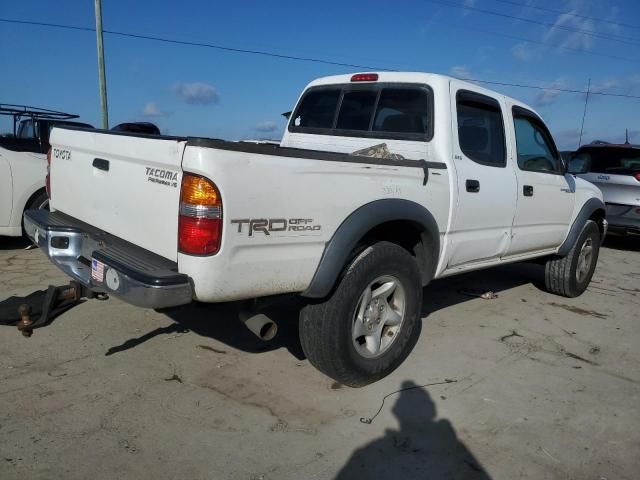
<point>546,194</point>
<point>482,217</point>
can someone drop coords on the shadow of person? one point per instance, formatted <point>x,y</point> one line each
<point>422,448</point>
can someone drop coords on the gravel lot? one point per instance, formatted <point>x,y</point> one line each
<point>539,387</point>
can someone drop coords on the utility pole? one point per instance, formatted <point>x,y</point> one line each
<point>584,114</point>
<point>101,75</point>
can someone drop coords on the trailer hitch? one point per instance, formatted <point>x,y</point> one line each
<point>57,300</point>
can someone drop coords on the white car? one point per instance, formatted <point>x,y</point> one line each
<point>615,169</point>
<point>23,163</point>
<point>473,180</point>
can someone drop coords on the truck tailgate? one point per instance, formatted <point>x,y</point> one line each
<point>128,186</point>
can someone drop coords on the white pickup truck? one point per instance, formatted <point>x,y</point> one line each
<point>475,181</point>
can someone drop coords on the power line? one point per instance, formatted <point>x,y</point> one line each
<point>570,14</point>
<point>553,89</point>
<point>546,44</point>
<point>196,44</point>
<point>291,57</point>
<point>590,33</point>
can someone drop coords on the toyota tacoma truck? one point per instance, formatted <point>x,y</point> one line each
<point>473,180</point>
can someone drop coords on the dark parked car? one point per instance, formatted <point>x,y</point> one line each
<point>137,127</point>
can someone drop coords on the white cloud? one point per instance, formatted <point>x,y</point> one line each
<point>460,72</point>
<point>564,31</point>
<point>522,51</point>
<point>604,86</point>
<point>152,110</point>
<point>546,97</point>
<point>197,93</point>
<point>468,3</point>
<point>550,95</point>
<point>266,127</point>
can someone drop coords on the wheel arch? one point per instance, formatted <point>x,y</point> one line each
<point>399,221</point>
<point>593,209</point>
<point>33,196</point>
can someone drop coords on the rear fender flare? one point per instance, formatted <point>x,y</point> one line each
<point>353,229</point>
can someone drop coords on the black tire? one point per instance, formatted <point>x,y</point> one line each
<point>560,272</point>
<point>39,201</point>
<point>326,327</point>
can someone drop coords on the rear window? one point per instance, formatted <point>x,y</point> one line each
<point>617,161</point>
<point>377,110</point>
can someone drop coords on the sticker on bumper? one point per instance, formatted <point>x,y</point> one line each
<point>97,270</point>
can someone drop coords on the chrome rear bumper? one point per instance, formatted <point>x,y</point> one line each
<point>105,263</point>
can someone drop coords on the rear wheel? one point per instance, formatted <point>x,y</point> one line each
<point>569,276</point>
<point>366,328</point>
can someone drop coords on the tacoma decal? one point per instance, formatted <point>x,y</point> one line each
<point>162,176</point>
<point>267,226</point>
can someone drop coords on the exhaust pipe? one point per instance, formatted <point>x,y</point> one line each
<point>260,325</point>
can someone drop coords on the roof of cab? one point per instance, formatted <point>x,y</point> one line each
<point>432,79</point>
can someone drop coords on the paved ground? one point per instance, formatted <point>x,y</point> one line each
<point>543,387</point>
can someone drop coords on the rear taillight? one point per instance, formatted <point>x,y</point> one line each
<point>637,175</point>
<point>47,180</point>
<point>200,220</point>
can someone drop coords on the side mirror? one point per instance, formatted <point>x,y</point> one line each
<point>578,165</point>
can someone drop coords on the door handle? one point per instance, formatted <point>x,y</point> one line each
<point>101,164</point>
<point>527,190</point>
<point>473,186</point>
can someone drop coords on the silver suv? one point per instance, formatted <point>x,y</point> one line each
<point>615,169</point>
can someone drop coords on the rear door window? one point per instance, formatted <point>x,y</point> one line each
<point>377,111</point>
<point>481,129</point>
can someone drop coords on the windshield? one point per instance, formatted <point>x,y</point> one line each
<point>618,161</point>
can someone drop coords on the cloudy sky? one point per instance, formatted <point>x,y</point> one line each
<point>190,90</point>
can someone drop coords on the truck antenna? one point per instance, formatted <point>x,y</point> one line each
<point>584,114</point>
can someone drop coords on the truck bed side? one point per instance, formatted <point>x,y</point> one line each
<point>281,206</point>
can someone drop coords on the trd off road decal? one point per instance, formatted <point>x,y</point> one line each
<point>268,226</point>
<point>162,176</point>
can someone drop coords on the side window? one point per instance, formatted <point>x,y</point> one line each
<point>536,151</point>
<point>317,109</point>
<point>481,129</point>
